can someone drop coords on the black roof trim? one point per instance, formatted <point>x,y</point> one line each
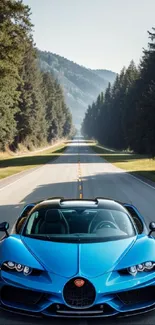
<point>62,199</point>
<point>101,202</point>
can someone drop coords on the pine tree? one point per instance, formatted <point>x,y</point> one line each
<point>32,106</point>
<point>14,27</point>
<point>31,121</point>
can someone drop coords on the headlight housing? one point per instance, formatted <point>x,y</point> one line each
<point>143,267</point>
<point>20,268</point>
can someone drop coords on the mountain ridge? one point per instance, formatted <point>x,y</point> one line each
<point>81,85</point>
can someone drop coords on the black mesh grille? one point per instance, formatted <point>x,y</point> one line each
<point>20,296</point>
<point>137,296</point>
<point>79,297</point>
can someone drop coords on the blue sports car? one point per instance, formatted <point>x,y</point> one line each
<point>78,258</point>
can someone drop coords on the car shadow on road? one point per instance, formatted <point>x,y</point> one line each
<point>111,185</point>
<point>115,186</point>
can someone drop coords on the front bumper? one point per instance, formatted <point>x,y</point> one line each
<point>65,312</point>
<point>37,301</point>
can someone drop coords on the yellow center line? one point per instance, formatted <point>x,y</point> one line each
<point>79,178</point>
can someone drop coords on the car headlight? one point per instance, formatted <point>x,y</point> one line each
<point>143,267</point>
<point>12,266</point>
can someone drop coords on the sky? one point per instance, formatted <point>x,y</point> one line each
<point>98,34</point>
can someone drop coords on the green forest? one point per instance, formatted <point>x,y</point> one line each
<point>32,106</point>
<point>123,117</point>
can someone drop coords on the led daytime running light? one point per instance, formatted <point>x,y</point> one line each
<point>18,267</point>
<point>27,270</point>
<point>133,270</point>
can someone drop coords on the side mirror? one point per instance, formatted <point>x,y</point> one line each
<point>4,226</point>
<point>152,227</point>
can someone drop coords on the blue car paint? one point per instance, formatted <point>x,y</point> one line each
<point>97,262</point>
<point>12,249</point>
<point>142,251</point>
<point>107,283</point>
<point>106,289</point>
<point>89,260</point>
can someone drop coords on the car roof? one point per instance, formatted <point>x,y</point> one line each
<point>60,203</point>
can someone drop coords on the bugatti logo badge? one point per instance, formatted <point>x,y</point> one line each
<point>79,283</point>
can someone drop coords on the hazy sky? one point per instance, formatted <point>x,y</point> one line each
<point>103,34</point>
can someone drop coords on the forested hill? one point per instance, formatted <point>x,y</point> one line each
<point>81,85</point>
<point>32,106</point>
<point>124,117</point>
<point>106,74</point>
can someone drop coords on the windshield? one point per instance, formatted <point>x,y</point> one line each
<point>79,225</point>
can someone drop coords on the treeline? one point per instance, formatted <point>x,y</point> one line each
<point>124,116</point>
<point>32,106</point>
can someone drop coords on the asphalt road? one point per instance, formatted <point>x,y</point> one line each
<point>79,172</point>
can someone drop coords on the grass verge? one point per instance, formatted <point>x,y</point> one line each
<point>13,165</point>
<point>137,165</point>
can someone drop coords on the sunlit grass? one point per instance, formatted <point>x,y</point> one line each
<point>133,163</point>
<point>10,165</point>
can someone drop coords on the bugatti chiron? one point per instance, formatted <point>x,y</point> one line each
<point>78,258</point>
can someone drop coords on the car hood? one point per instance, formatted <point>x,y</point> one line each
<point>71,259</point>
